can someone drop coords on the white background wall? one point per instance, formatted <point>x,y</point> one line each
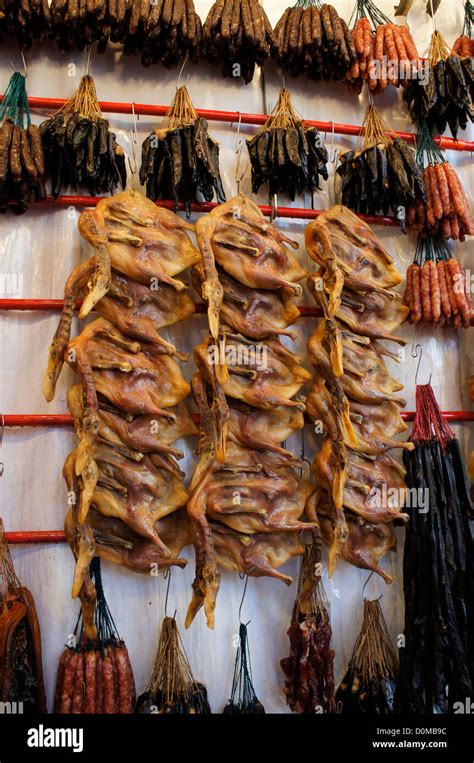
<point>43,246</point>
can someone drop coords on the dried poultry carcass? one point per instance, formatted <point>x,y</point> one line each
<point>248,496</point>
<point>124,482</point>
<point>361,487</point>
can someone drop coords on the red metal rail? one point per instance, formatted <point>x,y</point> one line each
<point>212,115</point>
<point>295,213</point>
<point>64,419</point>
<point>55,305</point>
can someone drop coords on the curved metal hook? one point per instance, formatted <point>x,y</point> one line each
<point>365,584</point>
<point>418,349</point>
<point>243,596</point>
<point>167,576</point>
<point>181,71</point>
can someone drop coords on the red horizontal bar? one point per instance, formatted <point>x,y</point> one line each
<point>57,305</point>
<point>36,536</point>
<point>295,213</point>
<point>213,115</point>
<point>64,419</point>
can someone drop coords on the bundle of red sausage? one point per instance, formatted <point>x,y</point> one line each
<point>95,680</point>
<point>446,208</point>
<point>464,47</point>
<point>387,56</point>
<point>438,293</point>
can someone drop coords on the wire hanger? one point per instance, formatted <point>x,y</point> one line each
<point>167,576</point>
<point>181,72</point>
<point>88,60</point>
<point>417,352</point>
<point>134,140</point>
<point>238,175</point>
<point>24,64</point>
<point>241,576</point>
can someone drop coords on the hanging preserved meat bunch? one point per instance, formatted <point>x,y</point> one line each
<point>238,35</point>
<point>464,45</point>
<point>312,39</point>
<point>354,399</point>
<point>248,497</point>
<point>21,670</point>
<point>309,670</point>
<point>22,165</point>
<point>437,660</point>
<point>80,151</point>
<point>386,53</point>
<point>163,31</point>
<point>125,487</point>
<point>172,688</point>
<point>437,289</point>
<point>445,208</point>
<point>287,154</point>
<point>23,21</point>
<point>370,681</point>
<point>383,175</point>
<point>445,100</point>
<point>94,672</point>
<point>180,161</point>
<point>243,699</point>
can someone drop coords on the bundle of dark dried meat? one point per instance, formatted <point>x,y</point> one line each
<point>369,683</point>
<point>80,150</point>
<point>437,659</point>
<point>238,35</point>
<point>287,154</point>
<point>21,670</point>
<point>172,688</point>
<point>180,161</point>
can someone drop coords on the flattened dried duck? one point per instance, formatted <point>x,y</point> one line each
<point>360,485</point>
<point>248,498</point>
<point>123,479</point>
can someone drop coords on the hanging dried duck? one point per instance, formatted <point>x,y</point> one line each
<point>383,175</point>
<point>238,35</point>
<point>437,659</point>
<point>180,161</point>
<point>369,683</point>
<point>22,164</point>
<point>445,208</point>
<point>445,99</point>
<point>124,483</point>
<point>354,398</point>
<point>243,699</point>
<point>23,21</point>
<point>437,290</point>
<point>386,53</point>
<point>312,39</point>
<point>164,31</point>
<point>21,671</point>
<point>80,150</point>
<point>172,688</point>
<point>248,497</point>
<point>309,670</point>
<point>95,674</point>
<point>286,154</point>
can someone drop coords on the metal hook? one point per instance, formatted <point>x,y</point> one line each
<point>24,63</point>
<point>88,62</point>
<point>239,177</point>
<point>333,160</point>
<point>243,596</point>
<point>414,354</point>
<point>365,584</point>
<point>274,212</point>
<point>167,576</point>
<point>185,61</point>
